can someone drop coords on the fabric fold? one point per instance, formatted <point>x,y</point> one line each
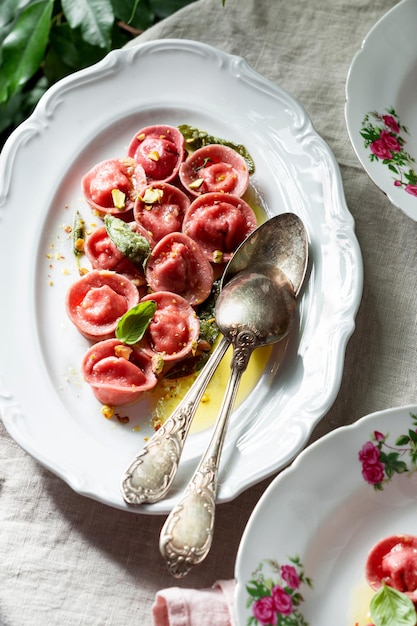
<point>175,606</point>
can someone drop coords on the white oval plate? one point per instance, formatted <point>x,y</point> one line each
<point>91,116</point>
<point>324,513</point>
<point>381,105</point>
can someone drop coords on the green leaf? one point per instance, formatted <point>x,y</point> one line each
<point>9,11</point>
<point>257,589</point>
<point>369,134</point>
<point>402,440</point>
<point>24,47</point>
<point>133,324</point>
<point>65,44</point>
<point>68,52</point>
<point>94,18</point>
<point>134,247</point>
<point>19,107</point>
<point>9,112</point>
<point>54,66</point>
<point>390,607</point>
<point>411,177</point>
<point>393,168</point>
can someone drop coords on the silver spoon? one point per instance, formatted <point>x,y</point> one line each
<point>281,241</point>
<point>256,308</point>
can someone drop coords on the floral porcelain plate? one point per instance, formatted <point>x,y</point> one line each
<point>302,556</point>
<point>381,105</point>
<point>90,116</point>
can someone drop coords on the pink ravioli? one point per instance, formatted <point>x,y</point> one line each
<point>174,329</point>
<point>215,168</point>
<point>97,300</point>
<point>178,264</point>
<point>159,150</point>
<point>393,561</point>
<point>219,222</point>
<point>118,375</point>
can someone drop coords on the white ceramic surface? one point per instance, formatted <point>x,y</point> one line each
<point>90,116</point>
<point>381,105</point>
<point>328,509</point>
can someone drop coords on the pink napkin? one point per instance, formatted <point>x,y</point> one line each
<point>195,607</point>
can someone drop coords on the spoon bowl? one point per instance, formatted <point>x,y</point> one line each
<point>260,300</point>
<point>279,243</point>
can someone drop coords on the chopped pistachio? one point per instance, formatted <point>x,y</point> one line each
<point>151,195</point>
<point>79,244</point>
<point>217,256</point>
<point>107,411</point>
<point>129,163</point>
<point>196,184</point>
<point>119,199</point>
<point>154,155</point>
<point>157,364</point>
<point>123,352</point>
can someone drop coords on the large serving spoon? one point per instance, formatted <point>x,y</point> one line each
<point>282,242</point>
<point>256,308</point>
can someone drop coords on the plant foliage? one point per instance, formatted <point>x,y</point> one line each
<point>41,41</point>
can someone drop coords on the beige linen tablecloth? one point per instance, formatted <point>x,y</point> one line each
<point>66,560</point>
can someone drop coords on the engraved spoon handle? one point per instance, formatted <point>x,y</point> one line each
<point>186,536</point>
<point>151,473</point>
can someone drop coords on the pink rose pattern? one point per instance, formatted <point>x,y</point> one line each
<point>275,600</point>
<point>387,145</point>
<point>381,460</point>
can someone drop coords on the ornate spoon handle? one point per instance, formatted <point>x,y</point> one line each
<point>187,534</point>
<point>151,473</point>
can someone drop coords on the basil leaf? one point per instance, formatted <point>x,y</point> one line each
<point>196,138</point>
<point>134,247</point>
<point>390,607</point>
<point>133,324</point>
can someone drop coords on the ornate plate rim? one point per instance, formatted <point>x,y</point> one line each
<point>330,226</point>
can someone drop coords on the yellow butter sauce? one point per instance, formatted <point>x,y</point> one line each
<point>361,600</point>
<point>169,393</point>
